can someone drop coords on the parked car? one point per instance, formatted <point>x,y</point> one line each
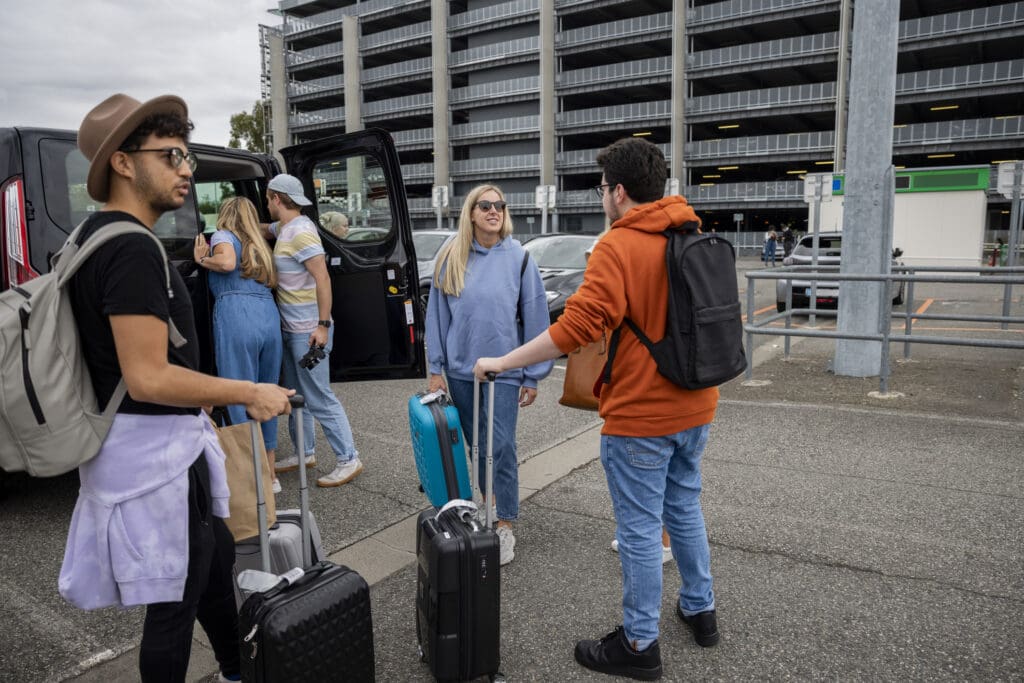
<point>827,293</point>
<point>42,183</point>
<point>561,259</point>
<point>428,245</point>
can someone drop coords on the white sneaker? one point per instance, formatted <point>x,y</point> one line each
<point>342,474</point>
<point>291,463</point>
<point>507,541</point>
<point>276,486</point>
<point>666,552</point>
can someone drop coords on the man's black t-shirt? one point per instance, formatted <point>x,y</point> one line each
<point>126,277</point>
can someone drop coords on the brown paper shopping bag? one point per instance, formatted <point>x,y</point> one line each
<point>236,441</point>
<point>581,374</point>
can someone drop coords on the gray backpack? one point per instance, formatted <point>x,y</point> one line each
<point>50,421</point>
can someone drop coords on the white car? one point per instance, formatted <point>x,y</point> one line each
<point>827,294</point>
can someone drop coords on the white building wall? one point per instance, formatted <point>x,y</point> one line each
<point>932,228</point>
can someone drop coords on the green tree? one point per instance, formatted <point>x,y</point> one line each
<point>247,129</point>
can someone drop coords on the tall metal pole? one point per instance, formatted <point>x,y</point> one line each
<point>816,227</point>
<point>1015,230</point>
<point>842,84</point>
<point>867,222</point>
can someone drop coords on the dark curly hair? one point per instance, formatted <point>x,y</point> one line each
<point>637,165</point>
<point>163,124</point>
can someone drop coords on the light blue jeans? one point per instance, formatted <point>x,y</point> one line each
<point>506,414</point>
<point>655,481</point>
<point>247,341</point>
<point>321,403</point>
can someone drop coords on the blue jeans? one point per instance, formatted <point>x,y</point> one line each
<point>247,341</point>
<point>321,403</point>
<point>655,481</point>
<point>506,413</point>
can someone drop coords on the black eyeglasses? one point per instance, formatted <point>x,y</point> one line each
<point>485,205</point>
<point>174,155</point>
<point>599,189</point>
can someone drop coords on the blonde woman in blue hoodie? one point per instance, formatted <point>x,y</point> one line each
<point>483,283</point>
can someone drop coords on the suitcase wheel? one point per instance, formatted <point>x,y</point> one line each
<point>497,678</point>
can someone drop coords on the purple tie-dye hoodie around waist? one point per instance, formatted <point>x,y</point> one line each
<point>128,540</point>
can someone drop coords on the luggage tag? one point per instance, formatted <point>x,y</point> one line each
<point>467,508</point>
<point>256,581</point>
<point>432,396</point>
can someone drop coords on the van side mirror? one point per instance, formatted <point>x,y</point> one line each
<point>897,252</point>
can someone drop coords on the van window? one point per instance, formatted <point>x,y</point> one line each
<point>210,195</point>
<point>65,171</point>
<point>355,188</point>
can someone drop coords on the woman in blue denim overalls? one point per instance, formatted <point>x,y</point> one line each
<point>246,323</point>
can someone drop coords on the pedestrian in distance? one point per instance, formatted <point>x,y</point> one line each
<point>246,324</point>
<point>770,245</point>
<point>157,538</point>
<point>487,297</point>
<point>787,241</point>
<point>998,256</point>
<point>335,223</point>
<point>304,298</point>
<point>654,432</point>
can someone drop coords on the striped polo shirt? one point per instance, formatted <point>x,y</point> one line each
<point>297,242</point>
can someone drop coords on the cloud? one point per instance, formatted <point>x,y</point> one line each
<point>62,58</point>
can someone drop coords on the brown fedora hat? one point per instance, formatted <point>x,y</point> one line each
<point>106,127</point>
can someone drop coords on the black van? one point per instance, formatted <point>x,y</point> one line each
<point>379,332</point>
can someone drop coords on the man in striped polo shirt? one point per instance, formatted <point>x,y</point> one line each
<point>304,297</point>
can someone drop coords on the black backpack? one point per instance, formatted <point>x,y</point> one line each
<point>703,342</point>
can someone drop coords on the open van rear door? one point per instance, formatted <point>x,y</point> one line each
<point>378,330</point>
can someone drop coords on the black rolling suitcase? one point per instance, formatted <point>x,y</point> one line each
<point>458,580</point>
<point>315,624</point>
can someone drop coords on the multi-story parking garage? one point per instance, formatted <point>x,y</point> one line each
<point>741,95</point>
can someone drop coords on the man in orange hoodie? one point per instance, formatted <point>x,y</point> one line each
<point>654,431</point>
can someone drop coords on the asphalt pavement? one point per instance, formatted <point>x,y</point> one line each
<point>853,537</point>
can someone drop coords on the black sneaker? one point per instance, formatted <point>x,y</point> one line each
<point>704,626</point>
<point>613,655</point>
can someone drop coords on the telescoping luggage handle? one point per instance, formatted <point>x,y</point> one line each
<point>475,463</point>
<point>297,403</point>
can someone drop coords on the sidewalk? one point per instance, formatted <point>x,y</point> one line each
<point>852,537</point>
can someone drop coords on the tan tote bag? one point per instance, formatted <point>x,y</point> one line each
<point>236,441</point>
<point>581,374</point>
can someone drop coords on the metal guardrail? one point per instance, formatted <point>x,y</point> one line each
<point>1007,276</point>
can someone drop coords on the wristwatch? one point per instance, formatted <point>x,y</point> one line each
<point>324,323</point>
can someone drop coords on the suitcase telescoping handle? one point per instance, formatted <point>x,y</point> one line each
<point>298,403</point>
<point>475,464</point>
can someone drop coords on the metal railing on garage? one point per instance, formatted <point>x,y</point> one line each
<point>1006,276</point>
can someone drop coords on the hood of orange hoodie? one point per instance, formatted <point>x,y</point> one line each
<point>658,216</point>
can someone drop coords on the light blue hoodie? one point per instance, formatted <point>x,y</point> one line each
<point>482,320</point>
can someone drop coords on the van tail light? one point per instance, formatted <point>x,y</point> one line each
<point>15,238</point>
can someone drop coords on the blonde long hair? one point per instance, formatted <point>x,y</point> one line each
<point>455,256</point>
<point>238,216</point>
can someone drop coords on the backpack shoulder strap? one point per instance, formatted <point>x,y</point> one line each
<point>73,256</point>
<point>519,301</point>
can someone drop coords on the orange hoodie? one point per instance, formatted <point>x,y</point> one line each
<point>627,276</point>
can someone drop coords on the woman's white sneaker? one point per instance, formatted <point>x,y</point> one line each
<point>291,463</point>
<point>507,544</point>
<point>342,474</point>
<point>276,486</point>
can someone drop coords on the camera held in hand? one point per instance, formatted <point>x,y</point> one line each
<point>315,354</point>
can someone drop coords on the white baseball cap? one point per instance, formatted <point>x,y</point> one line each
<point>291,186</point>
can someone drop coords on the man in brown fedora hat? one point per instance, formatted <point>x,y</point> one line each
<point>160,473</point>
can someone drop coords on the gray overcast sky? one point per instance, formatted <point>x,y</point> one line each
<point>63,57</point>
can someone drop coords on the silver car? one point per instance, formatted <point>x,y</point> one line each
<point>428,244</point>
<point>827,294</point>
